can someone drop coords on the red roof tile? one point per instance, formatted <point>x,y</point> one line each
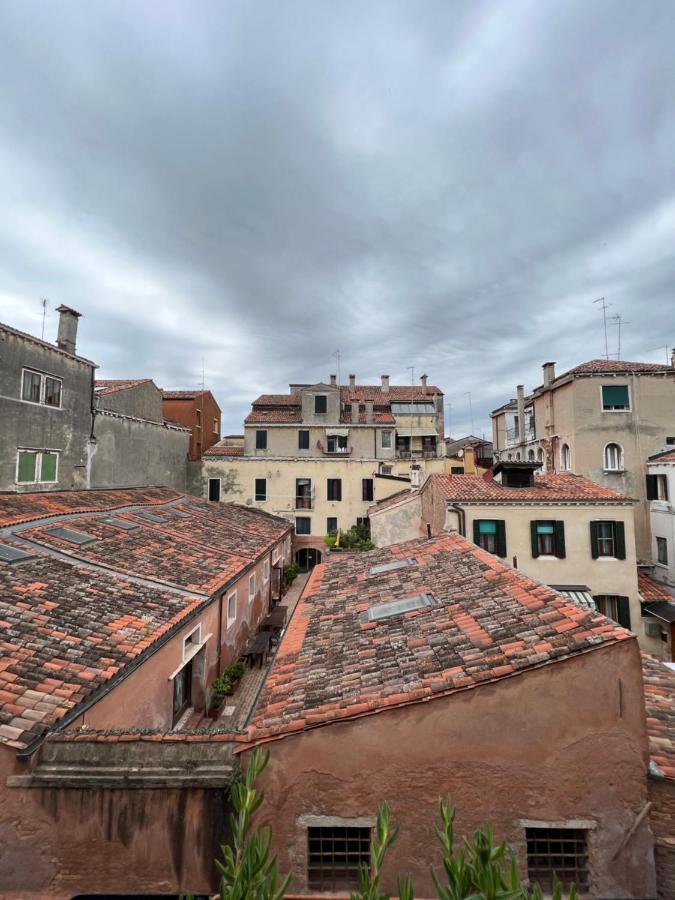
<point>547,489</point>
<point>487,621</point>
<point>273,415</point>
<point>402,496</point>
<point>659,689</point>
<point>663,456</point>
<point>397,393</point>
<point>224,451</point>
<point>650,589</point>
<point>182,395</point>
<point>111,386</point>
<point>616,366</point>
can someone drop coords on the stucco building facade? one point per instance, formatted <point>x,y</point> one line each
<point>198,411</point>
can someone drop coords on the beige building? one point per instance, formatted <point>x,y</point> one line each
<point>601,419</point>
<point>564,530</point>
<point>323,453</point>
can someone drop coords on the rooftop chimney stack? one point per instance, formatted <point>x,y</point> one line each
<point>549,373</point>
<point>352,381</point>
<point>369,411</point>
<point>423,379</point>
<point>333,380</point>
<point>355,412</point>
<point>672,358</point>
<point>66,339</point>
<point>385,384</point>
<point>520,393</point>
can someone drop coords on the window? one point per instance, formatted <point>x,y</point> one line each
<point>182,691</point>
<point>608,540</point>
<point>530,455</point>
<point>662,551</point>
<point>320,404</point>
<point>266,570</point>
<point>334,856</point>
<point>456,470</point>
<point>540,455</point>
<point>303,440</point>
<point>386,440</point>
<point>385,470</point>
<point>367,489</point>
<point>363,521</point>
<point>548,538</point>
<point>615,397</point>
<point>231,608</point>
<point>303,493</point>
<point>657,487</point>
<point>251,586</point>
<point>303,525</point>
<point>214,489</point>
<point>615,608</point>
<point>261,440</point>
<point>565,458</point>
<point>261,489</point>
<point>337,443</point>
<point>331,525</point>
<point>39,388</point>
<point>333,489</point>
<point>413,409</point>
<point>191,641</point>
<point>613,458</point>
<point>216,426</point>
<point>490,534</point>
<point>429,442</point>
<point>37,467</point>
<point>557,853</point>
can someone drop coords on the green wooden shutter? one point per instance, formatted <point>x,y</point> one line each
<point>48,468</point>
<point>652,489</point>
<point>476,531</point>
<point>501,537</point>
<point>594,540</point>
<point>620,540</point>
<point>27,461</point>
<point>535,539</point>
<point>559,530</point>
<point>623,611</point>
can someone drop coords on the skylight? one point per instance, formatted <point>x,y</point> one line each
<point>73,537</point>
<point>13,554</point>
<point>392,566</point>
<point>123,524</point>
<point>398,607</point>
<point>150,517</point>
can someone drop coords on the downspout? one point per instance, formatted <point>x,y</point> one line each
<point>461,515</point>
<point>220,632</point>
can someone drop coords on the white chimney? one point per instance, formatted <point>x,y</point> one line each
<point>333,380</point>
<point>549,373</point>
<point>67,335</point>
<point>352,381</point>
<point>369,411</point>
<point>355,412</point>
<point>385,384</point>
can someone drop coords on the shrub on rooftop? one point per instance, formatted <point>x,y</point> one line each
<point>356,538</point>
<point>291,572</point>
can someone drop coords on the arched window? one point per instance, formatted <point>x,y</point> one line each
<point>540,455</point>
<point>613,459</point>
<point>518,455</point>
<point>509,456</point>
<point>565,458</point>
<point>530,455</point>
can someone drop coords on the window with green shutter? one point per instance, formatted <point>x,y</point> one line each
<point>548,538</point>
<point>27,466</point>
<point>608,539</point>
<point>615,396</point>
<point>490,534</point>
<point>48,467</point>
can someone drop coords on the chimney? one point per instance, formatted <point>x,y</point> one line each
<point>333,380</point>
<point>385,384</point>
<point>520,393</point>
<point>469,461</point>
<point>423,379</point>
<point>672,358</point>
<point>67,336</point>
<point>369,411</point>
<point>549,373</point>
<point>352,381</point>
<point>355,412</point>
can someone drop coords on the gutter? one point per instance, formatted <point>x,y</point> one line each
<point>461,515</point>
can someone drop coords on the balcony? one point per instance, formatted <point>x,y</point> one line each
<point>512,436</point>
<point>333,449</point>
<point>431,453</point>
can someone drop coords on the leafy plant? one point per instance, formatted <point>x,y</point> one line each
<point>369,876</point>
<point>357,538</point>
<point>219,690</point>
<point>235,671</point>
<point>291,572</point>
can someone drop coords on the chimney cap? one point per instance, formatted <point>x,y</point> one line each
<point>68,309</point>
<point>547,364</point>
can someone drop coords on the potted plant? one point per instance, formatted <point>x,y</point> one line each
<point>219,693</point>
<point>233,675</point>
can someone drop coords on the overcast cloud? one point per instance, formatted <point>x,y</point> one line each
<point>441,185</point>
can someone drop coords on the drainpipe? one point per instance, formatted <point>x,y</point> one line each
<point>461,515</point>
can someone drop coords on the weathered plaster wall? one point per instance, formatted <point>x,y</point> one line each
<point>399,522</point>
<point>144,401</point>
<point>566,741</point>
<point>129,452</point>
<point>35,426</point>
<point>662,816</point>
<point>202,415</point>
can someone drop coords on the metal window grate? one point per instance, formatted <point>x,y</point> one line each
<point>557,851</point>
<point>334,857</point>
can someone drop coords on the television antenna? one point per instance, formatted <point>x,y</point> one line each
<point>412,375</point>
<point>468,394</point>
<point>619,321</point>
<point>44,313</point>
<point>336,354</point>
<point>604,308</point>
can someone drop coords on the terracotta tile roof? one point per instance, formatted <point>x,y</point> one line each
<point>278,400</point>
<point>650,589</point>
<point>547,489</point>
<point>72,615</point>
<point>111,386</point>
<point>224,451</point>
<point>615,367</point>
<point>273,415</point>
<point>397,393</point>
<point>663,456</point>
<point>487,621</point>
<point>399,497</point>
<point>659,689</point>
<point>182,395</point>
<point>381,416</point>
<point>45,344</point>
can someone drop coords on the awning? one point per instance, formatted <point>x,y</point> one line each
<point>337,432</point>
<point>416,432</point>
<point>660,609</point>
<point>579,594</point>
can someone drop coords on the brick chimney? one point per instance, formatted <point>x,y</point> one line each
<point>352,381</point>
<point>385,384</point>
<point>66,339</point>
<point>369,411</point>
<point>333,380</point>
<point>549,373</point>
<point>355,412</point>
<point>423,379</point>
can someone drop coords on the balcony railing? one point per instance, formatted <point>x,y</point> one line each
<point>512,436</point>
<point>304,502</point>
<point>417,454</point>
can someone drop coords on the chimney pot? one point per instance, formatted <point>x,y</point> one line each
<point>352,381</point>
<point>333,380</point>
<point>423,379</point>
<point>385,383</point>
<point>549,373</point>
<point>66,338</point>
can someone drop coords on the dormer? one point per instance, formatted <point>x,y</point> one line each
<point>320,404</point>
<point>515,474</point>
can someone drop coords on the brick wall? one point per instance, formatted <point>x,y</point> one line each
<point>662,817</point>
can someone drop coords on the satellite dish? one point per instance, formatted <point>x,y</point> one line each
<point>460,453</point>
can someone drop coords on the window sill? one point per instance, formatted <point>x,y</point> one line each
<point>613,471</point>
<point>624,410</point>
<point>546,557</point>
<point>609,559</point>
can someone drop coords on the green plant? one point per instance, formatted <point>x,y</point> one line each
<point>356,538</point>
<point>369,876</point>
<point>235,671</point>
<point>291,572</point>
<point>247,871</point>
<point>219,690</point>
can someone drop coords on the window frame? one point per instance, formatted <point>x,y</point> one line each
<point>229,618</point>
<point>661,544</point>
<point>324,870</point>
<point>615,607</point>
<point>385,434</point>
<point>187,640</point>
<point>610,409</point>
<point>333,486</point>
<point>261,439</point>
<point>619,457</point>
<point>567,833</point>
<point>303,438</point>
<point>330,519</point>
<point>252,585</point>
<point>367,488</point>
<point>42,387</point>
<point>495,539</point>
<point>266,571</point>
<point>320,400</point>
<point>565,457</point>
<point>39,454</point>
<point>216,426</point>
<point>308,520</point>
<point>256,492</point>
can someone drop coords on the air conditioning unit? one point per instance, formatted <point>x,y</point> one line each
<point>652,629</point>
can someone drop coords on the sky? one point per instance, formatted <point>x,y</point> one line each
<point>245,188</point>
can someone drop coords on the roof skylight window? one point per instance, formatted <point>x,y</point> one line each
<point>398,607</point>
<point>123,524</point>
<point>392,566</point>
<point>73,537</point>
<point>9,554</point>
<point>150,517</point>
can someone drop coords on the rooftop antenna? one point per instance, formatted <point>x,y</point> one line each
<point>44,313</point>
<point>619,320</point>
<point>468,394</point>
<point>337,364</point>
<point>604,308</point>
<point>412,374</point>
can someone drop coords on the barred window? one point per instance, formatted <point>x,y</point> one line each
<point>559,852</point>
<point>334,857</point>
